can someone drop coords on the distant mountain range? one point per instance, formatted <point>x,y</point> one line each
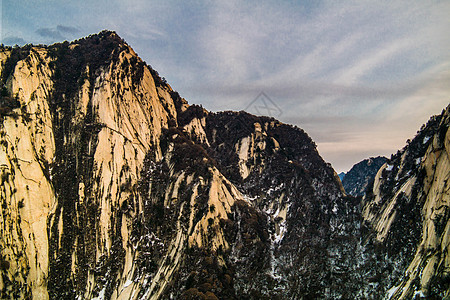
<point>114,187</point>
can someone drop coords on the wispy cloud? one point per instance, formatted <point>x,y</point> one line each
<point>369,61</point>
<point>13,40</point>
<point>50,33</point>
<point>354,69</point>
<point>58,33</point>
<point>67,29</point>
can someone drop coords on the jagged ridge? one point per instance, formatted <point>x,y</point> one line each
<point>144,197</point>
<point>408,208</point>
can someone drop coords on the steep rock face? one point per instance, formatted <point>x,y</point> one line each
<point>408,209</point>
<point>113,187</point>
<point>27,195</point>
<point>359,177</point>
<point>77,122</point>
<point>280,173</point>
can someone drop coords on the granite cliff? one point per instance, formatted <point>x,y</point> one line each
<point>408,207</point>
<point>114,187</point>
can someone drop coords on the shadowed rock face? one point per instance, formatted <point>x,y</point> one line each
<point>408,209</point>
<point>362,174</point>
<point>114,187</point>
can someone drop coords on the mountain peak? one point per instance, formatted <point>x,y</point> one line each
<point>105,36</point>
<point>358,178</point>
<point>113,187</point>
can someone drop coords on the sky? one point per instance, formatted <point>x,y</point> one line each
<point>360,77</point>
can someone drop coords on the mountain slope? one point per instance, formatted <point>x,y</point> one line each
<point>113,187</point>
<point>91,152</point>
<point>356,180</point>
<point>278,169</point>
<point>78,137</point>
<point>408,209</point>
<point>133,191</point>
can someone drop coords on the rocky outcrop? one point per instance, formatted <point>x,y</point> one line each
<point>85,116</point>
<point>113,187</point>
<point>408,210</point>
<point>27,150</point>
<point>299,206</point>
<point>362,174</point>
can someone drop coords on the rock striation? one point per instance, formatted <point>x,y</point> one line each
<point>114,187</point>
<point>407,208</point>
